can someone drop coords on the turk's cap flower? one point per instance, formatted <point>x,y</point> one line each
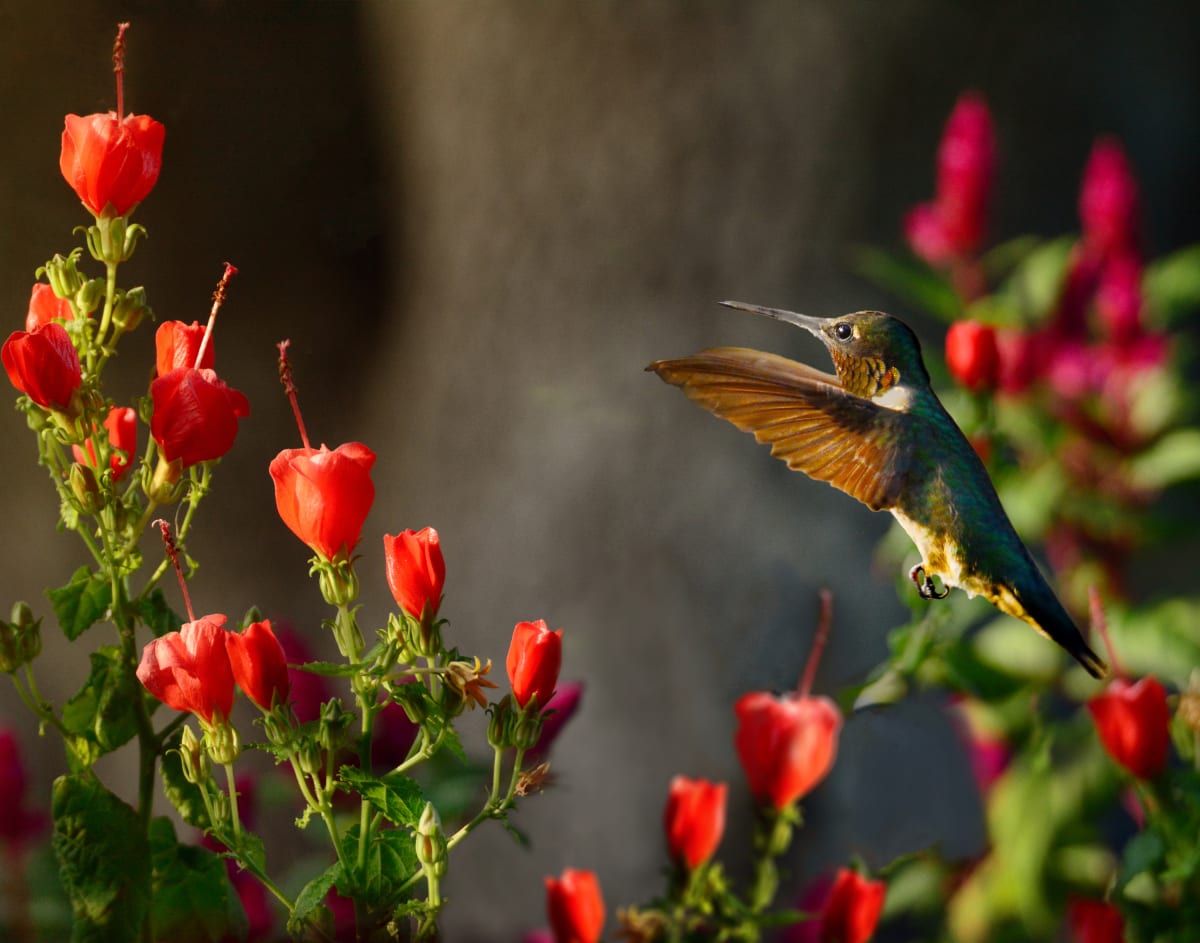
<point>111,163</point>
<point>786,745</point>
<point>534,659</point>
<point>176,345</point>
<point>121,426</point>
<point>416,571</point>
<point>324,495</point>
<point>852,910</point>
<point>44,365</point>
<point>972,355</point>
<point>189,670</point>
<point>45,306</point>
<point>694,819</point>
<point>1133,722</point>
<point>195,416</point>
<point>575,907</point>
<point>259,665</point>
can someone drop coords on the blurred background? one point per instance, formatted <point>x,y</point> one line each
<point>478,223</point>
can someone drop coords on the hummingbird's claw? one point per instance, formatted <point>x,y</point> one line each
<point>925,584</point>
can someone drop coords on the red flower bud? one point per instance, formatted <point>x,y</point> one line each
<point>973,355</point>
<point>324,496</point>
<point>44,364</point>
<point>786,745</point>
<point>1133,723</point>
<point>1094,921</point>
<point>259,665</point>
<point>45,306</point>
<point>176,345</point>
<point>575,907</point>
<point>534,657</point>
<point>195,415</point>
<point>189,670</point>
<point>121,424</point>
<point>852,910</point>
<point>416,571</point>
<point>1119,298</point>
<point>1108,200</point>
<point>111,164</point>
<point>694,819</point>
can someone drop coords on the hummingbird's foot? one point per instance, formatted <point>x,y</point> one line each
<point>925,584</point>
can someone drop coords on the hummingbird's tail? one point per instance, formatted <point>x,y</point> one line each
<point>1044,612</point>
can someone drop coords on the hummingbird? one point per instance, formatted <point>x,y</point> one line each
<point>878,432</point>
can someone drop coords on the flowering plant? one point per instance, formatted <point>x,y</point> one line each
<point>117,469</point>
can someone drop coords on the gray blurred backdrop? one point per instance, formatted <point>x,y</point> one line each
<point>478,222</point>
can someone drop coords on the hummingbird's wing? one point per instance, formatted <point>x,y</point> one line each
<point>806,416</point>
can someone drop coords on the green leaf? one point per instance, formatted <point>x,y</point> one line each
<point>104,860</point>
<point>1037,282</point>
<point>1143,852</point>
<point>81,603</point>
<point>194,901</point>
<point>1172,286</point>
<point>391,860</point>
<point>104,710</point>
<point>183,795</point>
<point>328,669</point>
<point>313,895</point>
<point>397,797</point>
<point>910,280</point>
<point>157,615</point>
<point>1172,459</point>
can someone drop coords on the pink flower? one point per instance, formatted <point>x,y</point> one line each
<point>1119,298</point>
<point>1108,200</point>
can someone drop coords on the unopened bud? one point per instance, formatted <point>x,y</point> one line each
<point>193,759</point>
<point>63,275</point>
<point>130,310</point>
<point>527,728</point>
<point>338,582</point>
<point>222,742</point>
<point>500,732</point>
<point>85,488</point>
<point>163,485</point>
<point>90,296</point>
<point>430,842</point>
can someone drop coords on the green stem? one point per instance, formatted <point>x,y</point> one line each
<point>234,820</point>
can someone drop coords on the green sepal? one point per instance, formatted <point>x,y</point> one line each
<point>395,796</point>
<point>81,603</point>
<point>103,858</point>
<point>183,795</point>
<point>104,710</point>
<point>194,901</point>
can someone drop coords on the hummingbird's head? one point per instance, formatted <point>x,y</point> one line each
<point>873,353</point>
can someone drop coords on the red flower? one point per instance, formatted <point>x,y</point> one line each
<point>1132,721</point>
<point>111,164</point>
<point>189,670</point>
<point>1108,200</point>
<point>324,497</point>
<point>1119,298</point>
<point>973,355</point>
<point>1094,921</point>
<point>44,364</point>
<point>195,415</point>
<point>575,907</point>
<point>176,345</point>
<point>416,571</point>
<point>534,657</point>
<point>953,224</point>
<point>259,665</point>
<point>121,424</point>
<point>786,745</point>
<point>852,910</point>
<point>45,306</point>
<point>694,819</point>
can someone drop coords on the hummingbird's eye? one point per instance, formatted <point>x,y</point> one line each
<point>843,331</point>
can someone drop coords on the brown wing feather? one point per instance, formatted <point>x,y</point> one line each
<point>805,415</point>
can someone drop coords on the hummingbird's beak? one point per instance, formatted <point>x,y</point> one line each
<point>812,325</point>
